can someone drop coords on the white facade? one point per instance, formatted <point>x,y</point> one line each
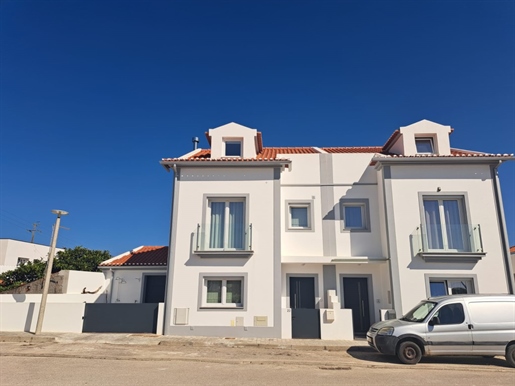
<point>16,252</point>
<point>257,231</point>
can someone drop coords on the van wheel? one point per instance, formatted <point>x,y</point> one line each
<point>510,355</point>
<point>409,353</point>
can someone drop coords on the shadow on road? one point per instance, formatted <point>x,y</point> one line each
<point>375,357</point>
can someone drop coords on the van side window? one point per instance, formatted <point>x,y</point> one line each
<point>451,314</point>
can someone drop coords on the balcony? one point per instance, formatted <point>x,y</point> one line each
<point>224,244</point>
<point>448,243</point>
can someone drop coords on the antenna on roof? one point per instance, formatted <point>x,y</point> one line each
<point>195,142</point>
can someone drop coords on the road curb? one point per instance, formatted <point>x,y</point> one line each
<point>171,343</point>
<point>26,339</point>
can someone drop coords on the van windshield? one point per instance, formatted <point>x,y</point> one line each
<point>419,312</point>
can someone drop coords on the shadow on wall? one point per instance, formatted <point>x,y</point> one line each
<point>363,242</point>
<point>30,317</point>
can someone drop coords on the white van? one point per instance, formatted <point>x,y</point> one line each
<point>481,325</point>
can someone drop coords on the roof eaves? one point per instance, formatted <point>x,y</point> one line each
<point>393,138</point>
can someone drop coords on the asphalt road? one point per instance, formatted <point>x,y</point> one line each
<point>102,364</point>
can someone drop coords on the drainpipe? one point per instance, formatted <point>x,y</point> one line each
<point>388,246</point>
<point>502,227</point>
<point>169,281</point>
<point>111,286</point>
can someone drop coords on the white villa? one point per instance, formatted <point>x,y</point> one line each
<point>317,242</point>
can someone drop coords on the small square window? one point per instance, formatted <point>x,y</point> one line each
<point>355,215</point>
<point>222,292</point>
<point>299,216</point>
<point>424,145</point>
<point>21,261</point>
<point>233,148</point>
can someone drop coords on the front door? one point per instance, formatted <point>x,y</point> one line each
<point>154,291</point>
<point>305,318</point>
<point>355,297</point>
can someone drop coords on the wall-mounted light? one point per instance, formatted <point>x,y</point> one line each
<point>438,189</point>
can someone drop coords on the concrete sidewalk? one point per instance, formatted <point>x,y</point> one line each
<point>154,340</point>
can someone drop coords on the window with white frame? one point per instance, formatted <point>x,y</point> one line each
<point>233,148</point>
<point>299,216</point>
<point>226,223</point>
<point>445,224</point>
<point>424,145</point>
<point>451,286</point>
<point>355,214</point>
<point>222,292</point>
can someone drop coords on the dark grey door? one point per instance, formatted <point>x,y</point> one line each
<point>355,297</point>
<point>154,291</point>
<point>305,318</point>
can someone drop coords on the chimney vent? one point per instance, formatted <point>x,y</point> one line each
<point>195,142</point>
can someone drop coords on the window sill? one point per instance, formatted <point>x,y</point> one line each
<point>357,230</point>
<point>222,307</point>
<point>227,253</point>
<point>452,257</point>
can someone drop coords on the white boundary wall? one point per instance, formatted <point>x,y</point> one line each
<point>59,317</point>
<point>64,312</point>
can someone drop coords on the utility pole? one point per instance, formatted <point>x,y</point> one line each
<point>34,230</point>
<point>48,273</point>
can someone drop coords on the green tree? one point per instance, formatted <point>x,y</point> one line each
<point>77,259</point>
<point>25,273</point>
<point>80,259</point>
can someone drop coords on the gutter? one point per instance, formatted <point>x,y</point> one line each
<point>173,164</point>
<point>431,160</point>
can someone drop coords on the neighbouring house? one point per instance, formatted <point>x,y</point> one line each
<point>321,242</point>
<point>512,253</point>
<point>13,253</point>
<point>137,276</point>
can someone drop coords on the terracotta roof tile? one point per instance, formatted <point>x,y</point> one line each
<point>512,249</point>
<point>353,150</point>
<point>144,256</point>
<point>272,152</point>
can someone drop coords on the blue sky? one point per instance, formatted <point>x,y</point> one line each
<point>94,93</point>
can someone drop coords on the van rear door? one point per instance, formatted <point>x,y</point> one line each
<point>450,333</point>
<point>493,325</point>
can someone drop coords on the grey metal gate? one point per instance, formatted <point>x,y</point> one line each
<point>120,317</point>
<point>305,323</point>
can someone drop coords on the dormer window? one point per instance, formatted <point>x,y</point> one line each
<point>424,145</point>
<point>233,148</point>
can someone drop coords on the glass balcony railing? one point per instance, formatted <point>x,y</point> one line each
<point>207,240</point>
<point>459,238</point>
